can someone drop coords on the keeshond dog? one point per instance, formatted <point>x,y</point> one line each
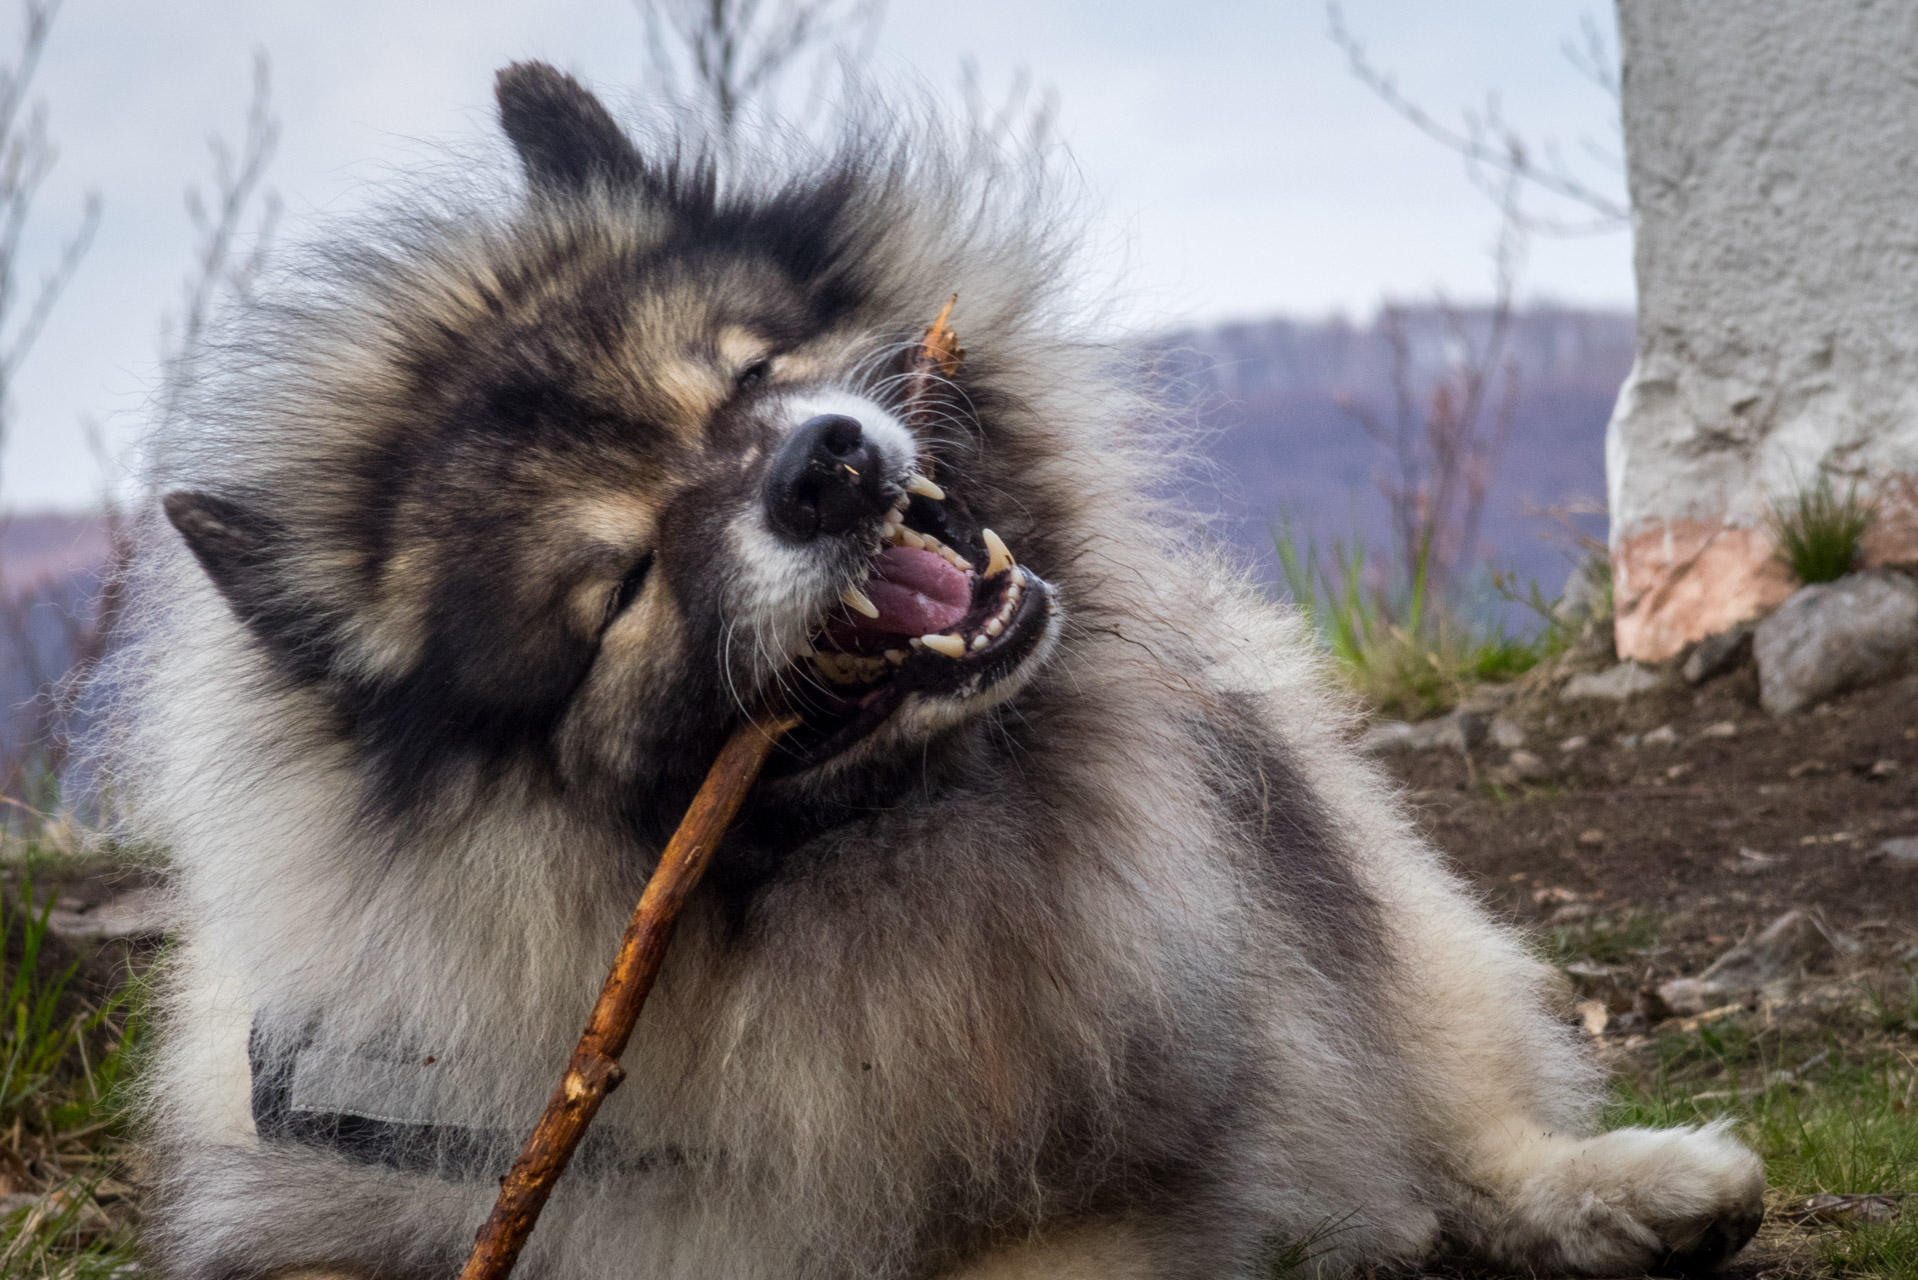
<point>1068,936</point>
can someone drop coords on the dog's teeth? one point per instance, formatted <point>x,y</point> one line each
<point>895,656</point>
<point>994,626</point>
<point>950,646</point>
<point>856,600</point>
<point>925,488</point>
<point>978,643</point>
<point>911,539</point>
<point>998,558</point>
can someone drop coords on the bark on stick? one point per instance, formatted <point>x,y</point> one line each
<point>594,1069</point>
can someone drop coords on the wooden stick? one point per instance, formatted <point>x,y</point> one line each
<point>939,354</point>
<point>594,1070</point>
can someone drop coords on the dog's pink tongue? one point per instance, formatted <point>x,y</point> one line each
<point>915,592</point>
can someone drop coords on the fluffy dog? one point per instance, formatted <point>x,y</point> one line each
<point>1068,936</point>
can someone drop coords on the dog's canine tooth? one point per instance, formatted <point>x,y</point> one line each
<point>916,483</point>
<point>856,600</point>
<point>950,646</point>
<point>998,558</point>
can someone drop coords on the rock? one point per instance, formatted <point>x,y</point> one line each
<point>1587,590</point>
<point>1766,965</point>
<point>136,914</point>
<point>1386,735</point>
<point>1663,736</point>
<point>1714,656</point>
<point>1459,731</point>
<point>1577,742</point>
<point>1900,851</point>
<point>1506,734</point>
<point>1723,729</point>
<point>1528,766</point>
<point>1836,636</point>
<point>1623,681</point>
<point>1628,741</point>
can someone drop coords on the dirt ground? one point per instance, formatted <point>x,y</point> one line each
<point>1706,837</point>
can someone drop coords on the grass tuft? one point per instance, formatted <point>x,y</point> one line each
<point>1397,644</point>
<point>1599,941</point>
<point>1819,533</point>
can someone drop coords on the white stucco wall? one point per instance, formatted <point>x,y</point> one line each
<point>1772,147</point>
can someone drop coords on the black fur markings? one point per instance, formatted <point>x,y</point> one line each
<point>1302,860</point>
<point>565,138</point>
<point>241,549</point>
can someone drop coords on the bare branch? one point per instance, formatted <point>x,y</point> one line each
<point>1493,150</point>
<point>1444,434</point>
<point>227,258</point>
<point>734,53</point>
<point>26,158</point>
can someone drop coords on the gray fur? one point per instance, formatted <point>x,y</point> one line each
<point>1134,973</point>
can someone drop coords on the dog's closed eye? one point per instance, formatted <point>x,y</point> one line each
<point>629,588</point>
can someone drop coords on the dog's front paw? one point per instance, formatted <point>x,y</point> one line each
<point>1641,1199</point>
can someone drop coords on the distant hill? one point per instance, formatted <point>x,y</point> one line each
<point>1268,396</point>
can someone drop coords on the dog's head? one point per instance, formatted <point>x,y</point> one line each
<point>600,483</point>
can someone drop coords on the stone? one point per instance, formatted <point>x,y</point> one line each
<point>1577,742</point>
<point>1900,851</point>
<point>1626,680</point>
<point>1526,765</point>
<point>1836,636</point>
<point>1386,736</point>
<point>1586,592</point>
<point>1506,735</point>
<point>1719,654</point>
<point>1722,729</point>
<point>1459,731</point>
<point>1663,736</point>
<point>1762,967</point>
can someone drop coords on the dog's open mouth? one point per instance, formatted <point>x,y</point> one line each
<point>944,612</point>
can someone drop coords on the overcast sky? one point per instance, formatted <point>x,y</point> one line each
<point>1240,170</point>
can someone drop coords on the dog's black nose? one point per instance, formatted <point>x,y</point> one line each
<point>823,479</point>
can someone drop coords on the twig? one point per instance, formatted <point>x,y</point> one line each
<point>594,1070</point>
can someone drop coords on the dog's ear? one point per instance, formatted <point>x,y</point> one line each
<point>232,543</point>
<point>565,138</point>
